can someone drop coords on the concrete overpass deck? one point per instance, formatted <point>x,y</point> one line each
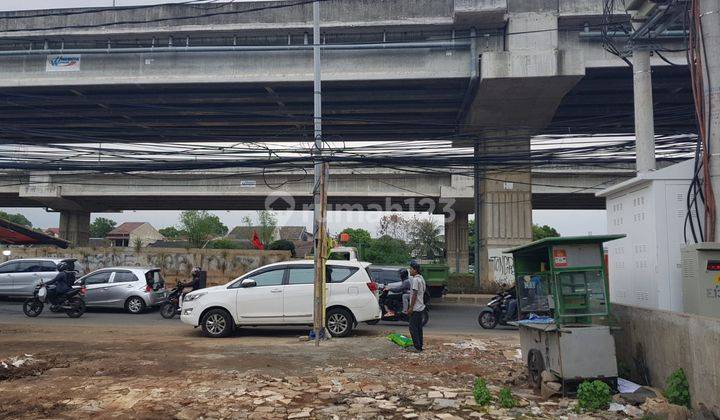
<point>349,189</point>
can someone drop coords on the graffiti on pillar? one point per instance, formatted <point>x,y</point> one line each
<point>501,267</point>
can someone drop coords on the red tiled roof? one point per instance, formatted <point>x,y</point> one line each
<point>125,228</point>
<point>14,234</point>
<point>53,231</point>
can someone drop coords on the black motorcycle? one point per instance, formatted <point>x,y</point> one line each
<point>399,315</point>
<point>171,307</point>
<point>72,302</point>
<point>498,310</point>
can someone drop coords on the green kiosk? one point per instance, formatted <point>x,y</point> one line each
<point>563,304</point>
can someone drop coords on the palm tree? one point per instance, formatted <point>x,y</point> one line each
<point>426,239</point>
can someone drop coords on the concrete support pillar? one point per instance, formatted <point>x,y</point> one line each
<point>644,123</point>
<point>456,242</point>
<point>75,227</point>
<point>505,213</point>
<point>710,18</point>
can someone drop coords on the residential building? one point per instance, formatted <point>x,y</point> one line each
<point>128,234</point>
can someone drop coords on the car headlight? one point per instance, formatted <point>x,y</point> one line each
<point>190,298</point>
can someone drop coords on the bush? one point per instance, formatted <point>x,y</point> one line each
<point>506,399</point>
<point>283,245</point>
<point>678,390</point>
<point>481,392</point>
<point>593,396</point>
<point>223,244</point>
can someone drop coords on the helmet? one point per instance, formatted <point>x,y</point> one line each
<point>195,270</point>
<point>403,273</point>
<point>66,266</point>
<point>415,266</point>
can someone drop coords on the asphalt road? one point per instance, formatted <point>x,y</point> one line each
<point>445,318</point>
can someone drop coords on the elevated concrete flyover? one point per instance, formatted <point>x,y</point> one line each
<point>469,71</point>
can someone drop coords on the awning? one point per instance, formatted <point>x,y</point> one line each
<point>14,234</point>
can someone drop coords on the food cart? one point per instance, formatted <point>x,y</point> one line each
<point>563,304</point>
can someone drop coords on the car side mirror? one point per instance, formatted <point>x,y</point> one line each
<point>248,283</point>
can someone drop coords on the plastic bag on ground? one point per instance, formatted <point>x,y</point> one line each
<point>400,340</point>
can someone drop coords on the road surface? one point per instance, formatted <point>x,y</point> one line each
<point>445,318</point>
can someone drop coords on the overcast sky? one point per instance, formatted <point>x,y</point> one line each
<point>567,222</point>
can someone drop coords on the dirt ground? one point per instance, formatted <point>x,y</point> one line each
<point>173,372</point>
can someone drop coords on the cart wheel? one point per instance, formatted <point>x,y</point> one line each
<point>535,368</point>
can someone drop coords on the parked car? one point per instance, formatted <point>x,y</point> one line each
<point>19,277</point>
<point>282,294</point>
<point>389,275</point>
<point>132,288</point>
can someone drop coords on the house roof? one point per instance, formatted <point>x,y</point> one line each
<point>53,231</point>
<point>14,234</point>
<point>125,228</point>
<point>292,233</point>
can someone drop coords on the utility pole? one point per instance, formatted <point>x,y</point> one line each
<point>320,188</point>
<point>478,213</point>
<point>644,124</point>
<point>710,20</point>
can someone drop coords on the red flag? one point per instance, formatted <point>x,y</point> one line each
<point>256,241</point>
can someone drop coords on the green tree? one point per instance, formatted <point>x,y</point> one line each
<point>171,232</point>
<point>425,239</point>
<point>201,226</point>
<point>224,243</point>
<point>267,224</point>
<point>101,226</point>
<point>360,239</point>
<point>16,218</point>
<point>387,250</point>
<point>544,231</point>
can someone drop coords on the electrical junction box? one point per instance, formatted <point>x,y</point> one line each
<point>701,279</point>
<point>644,268</point>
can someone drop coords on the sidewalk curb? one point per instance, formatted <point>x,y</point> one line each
<point>467,299</point>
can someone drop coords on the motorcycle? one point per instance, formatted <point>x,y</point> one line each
<point>497,311</point>
<point>171,307</point>
<point>72,302</point>
<point>385,296</point>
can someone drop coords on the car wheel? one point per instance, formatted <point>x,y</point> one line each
<point>135,305</point>
<point>339,322</point>
<point>487,320</point>
<point>217,323</point>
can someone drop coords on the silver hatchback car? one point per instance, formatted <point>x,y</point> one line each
<point>19,277</point>
<point>132,288</point>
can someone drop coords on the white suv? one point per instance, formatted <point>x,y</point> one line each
<point>282,294</point>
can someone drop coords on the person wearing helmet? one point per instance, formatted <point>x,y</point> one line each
<point>195,278</point>
<point>402,290</point>
<point>416,307</point>
<point>63,281</point>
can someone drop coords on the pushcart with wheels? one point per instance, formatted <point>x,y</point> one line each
<point>563,304</point>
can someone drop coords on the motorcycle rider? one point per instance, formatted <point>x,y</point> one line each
<point>194,283</point>
<point>402,290</point>
<point>64,280</point>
